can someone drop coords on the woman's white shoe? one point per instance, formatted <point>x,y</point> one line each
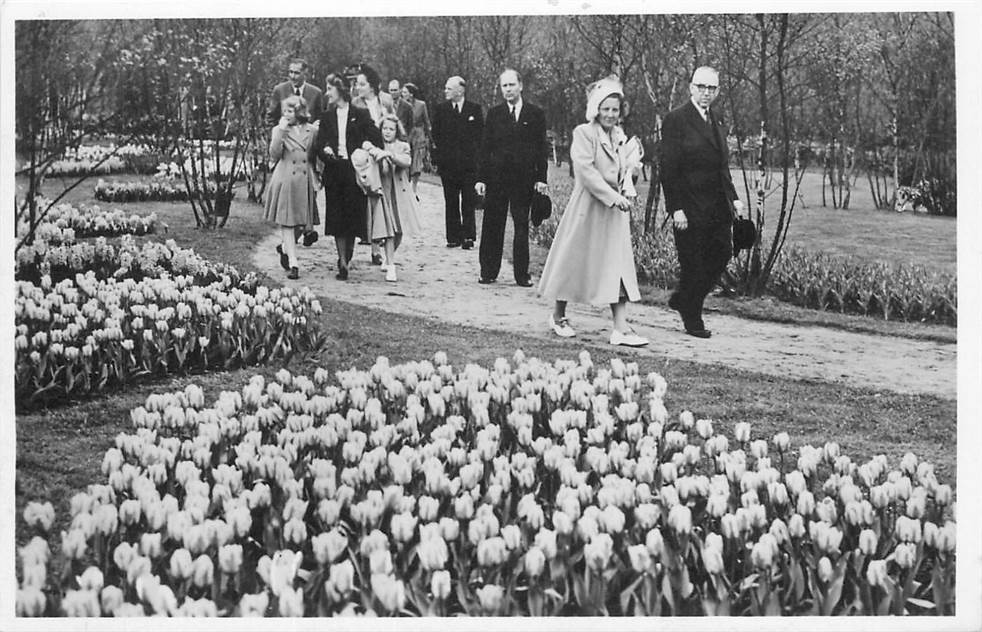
<point>562,328</point>
<point>629,339</point>
<point>390,274</point>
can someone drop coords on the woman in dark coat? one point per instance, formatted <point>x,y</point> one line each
<point>343,129</point>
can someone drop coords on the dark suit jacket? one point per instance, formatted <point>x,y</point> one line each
<point>695,173</point>
<point>457,137</point>
<point>313,95</point>
<point>405,113</point>
<point>514,152</point>
<point>358,130</point>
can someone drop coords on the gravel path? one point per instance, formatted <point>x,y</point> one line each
<point>440,283</point>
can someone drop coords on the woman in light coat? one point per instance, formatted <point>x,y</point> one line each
<point>591,259</point>
<point>291,198</point>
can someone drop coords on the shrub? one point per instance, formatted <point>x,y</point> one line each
<point>525,489</point>
<point>86,335</point>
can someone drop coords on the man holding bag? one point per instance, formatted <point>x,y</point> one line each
<point>699,195</point>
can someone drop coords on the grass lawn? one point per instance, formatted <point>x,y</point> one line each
<point>59,451</point>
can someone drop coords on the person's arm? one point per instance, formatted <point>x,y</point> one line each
<point>486,148</point>
<point>276,137</point>
<point>372,135</point>
<point>316,148</point>
<point>671,163</point>
<point>581,153</point>
<point>425,118</point>
<point>401,155</point>
<point>436,136</point>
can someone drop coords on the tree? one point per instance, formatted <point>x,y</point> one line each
<point>61,82</point>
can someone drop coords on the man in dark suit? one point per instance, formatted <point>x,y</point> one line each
<point>511,165</point>
<point>403,110</point>
<point>296,84</point>
<point>456,131</point>
<point>699,194</point>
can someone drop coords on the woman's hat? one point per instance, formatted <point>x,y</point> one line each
<point>600,90</point>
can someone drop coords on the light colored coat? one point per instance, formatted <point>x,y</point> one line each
<point>290,196</point>
<point>591,255</point>
<point>398,189</point>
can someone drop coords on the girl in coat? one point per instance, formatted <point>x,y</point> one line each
<point>291,198</point>
<point>591,259</point>
<point>397,216</point>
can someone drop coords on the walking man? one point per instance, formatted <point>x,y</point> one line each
<point>699,194</point>
<point>456,129</point>
<point>511,165</point>
<point>296,84</point>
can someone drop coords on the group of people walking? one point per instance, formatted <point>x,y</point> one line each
<point>500,161</point>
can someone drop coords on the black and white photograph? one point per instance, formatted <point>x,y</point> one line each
<point>388,314</point>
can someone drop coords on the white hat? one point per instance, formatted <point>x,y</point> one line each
<point>600,90</point>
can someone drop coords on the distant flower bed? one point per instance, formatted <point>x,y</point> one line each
<point>153,190</point>
<point>87,335</point>
<point>125,260</point>
<point>892,292</point>
<point>65,223</point>
<point>524,489</point>
<point>88,160</point>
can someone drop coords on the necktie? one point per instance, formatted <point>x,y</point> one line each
<point>456,108</point>
<point>513,117</point>
<point>296,91</point>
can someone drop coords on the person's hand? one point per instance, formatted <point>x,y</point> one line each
<point>541,187</point>
<point>679,220</point>
<point>328,151</point>
<point>479,188</point>
<point>283,124</point>
<point>622,203</point>
<point>740,211</point>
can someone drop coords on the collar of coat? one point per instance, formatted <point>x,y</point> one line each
<point>616,138</point>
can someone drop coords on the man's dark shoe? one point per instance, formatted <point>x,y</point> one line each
<point>284,259</point>
<point>342,274</point>
<point>673,301</point>
<point>699,333</point>
<point>453,244</point>
<point>376,260</point>
<point>525,283</point>
<point>293,274</point>
<point>484,281</point>
<point>468,244</point>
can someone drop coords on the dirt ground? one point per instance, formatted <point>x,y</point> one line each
<point>440,283</point>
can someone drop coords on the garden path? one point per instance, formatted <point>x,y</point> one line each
<point>440,283</point>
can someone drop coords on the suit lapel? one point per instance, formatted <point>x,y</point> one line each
<point>604,139</point>
<point>696,121</point>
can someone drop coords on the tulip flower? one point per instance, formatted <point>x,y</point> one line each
<point>440,584</point>
<point>389,591</point>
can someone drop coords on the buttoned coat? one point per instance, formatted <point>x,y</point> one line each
<point>290,197</point>
<point>314,96</point>
<point>457,137</point>
<point>695,170</point>
<point>591,255</point>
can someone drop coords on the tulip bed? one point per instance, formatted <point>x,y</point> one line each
<point>524,489</point>
<point>87,160</point>
<point>123,260</point>
<point>86,334</point>
<point>154,190</point>
<point>64,223</point>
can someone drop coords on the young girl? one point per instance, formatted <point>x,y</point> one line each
<point>397,215</point>
<point>290,199</point>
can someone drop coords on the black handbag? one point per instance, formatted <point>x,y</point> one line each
<point>744,234</point>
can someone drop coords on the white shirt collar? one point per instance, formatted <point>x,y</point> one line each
<point>458,105</point>
<point>703,112</point>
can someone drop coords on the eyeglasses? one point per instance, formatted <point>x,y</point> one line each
<point>701,87</point>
